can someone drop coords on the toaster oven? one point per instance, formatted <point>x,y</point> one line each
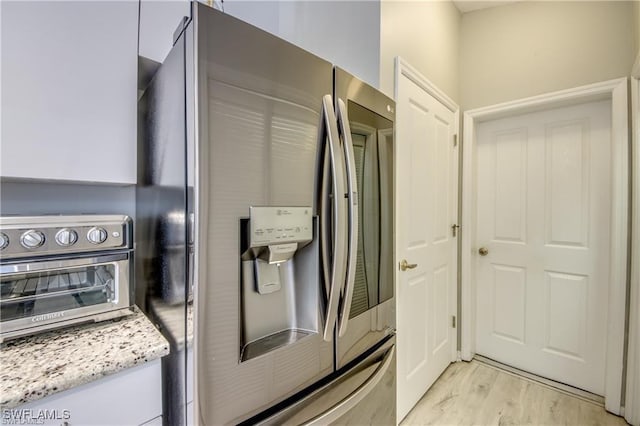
<point>61,270</point>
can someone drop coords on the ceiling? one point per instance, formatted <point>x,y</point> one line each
<point>465,6</point>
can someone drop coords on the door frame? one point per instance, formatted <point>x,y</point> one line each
<point>616,91</point>
<point>404,69</point>
<point>632,405</point>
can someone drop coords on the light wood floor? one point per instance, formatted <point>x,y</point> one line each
<point>474,393</point>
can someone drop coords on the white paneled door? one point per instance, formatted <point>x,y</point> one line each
<point>427,183</point>
<point>543,239</point>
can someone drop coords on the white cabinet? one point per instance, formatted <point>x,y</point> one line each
<point>68,90</point>
<point>131,397</point>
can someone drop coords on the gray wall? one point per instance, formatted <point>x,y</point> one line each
<point>35,197</point>
<point>529,48</point>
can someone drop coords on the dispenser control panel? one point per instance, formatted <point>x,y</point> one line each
<point>280,225</point>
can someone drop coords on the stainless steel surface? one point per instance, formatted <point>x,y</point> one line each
<point>404,265</point>
<point>164,194</point>
<point>363,391</point>
<point>352,191</point>
<point>372,309</point>
<point>336,232</point>
<point>240,130</point>
<point>271,342</point>
<point>31,236</point>
<point>257,128</point>
<point>291,311</point>
<point>348,87</point>
<point>363,394</point>
<point>483,251</point>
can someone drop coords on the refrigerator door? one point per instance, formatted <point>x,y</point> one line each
<point>363,393</point>
<point>367,312</point>
<point>260,133</point>
<point>162,245</point>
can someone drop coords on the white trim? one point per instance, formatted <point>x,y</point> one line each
<point>616,90</point>
<point>469,205</point>
<point>543,381</point>
<point>632,405</point>
<point>582,94</point>
<point>404,68</point>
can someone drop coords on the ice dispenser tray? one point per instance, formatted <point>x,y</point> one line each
<point>279,278</point>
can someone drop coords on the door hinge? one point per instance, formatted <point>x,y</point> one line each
<point>453,321</point>
<point>455,140</point>
<point>454,229</point>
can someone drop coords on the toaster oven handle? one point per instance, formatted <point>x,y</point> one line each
<point>55,264</point>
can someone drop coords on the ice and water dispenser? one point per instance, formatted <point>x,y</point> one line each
<point>279,277</point>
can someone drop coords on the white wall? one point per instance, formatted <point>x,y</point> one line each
<point>346,33</point>
<point>528,48</point>
<point>343,32</point>
<point>636,38</point>
<point>424,33</point>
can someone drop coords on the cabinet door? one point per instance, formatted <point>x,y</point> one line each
<point>130,397</point>
<point>68,77</point>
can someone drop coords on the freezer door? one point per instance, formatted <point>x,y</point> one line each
<point>260,134</point>
<point>367,311</point>
<point>363,394</point>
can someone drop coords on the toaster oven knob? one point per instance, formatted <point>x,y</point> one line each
<point>4,241</point>
<point>66,237</point>
<point>32,239</point>
<point>97,235</point>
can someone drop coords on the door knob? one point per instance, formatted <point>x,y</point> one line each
<point>483,251</point>
<point>404,265</point>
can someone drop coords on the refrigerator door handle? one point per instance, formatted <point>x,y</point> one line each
<point>338,243</point>
<point>352,190</point>
<point>341,408</point>
<point>325,211</point>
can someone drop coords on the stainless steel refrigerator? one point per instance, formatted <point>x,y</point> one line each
<point>269,185</point>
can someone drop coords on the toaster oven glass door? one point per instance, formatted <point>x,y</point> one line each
<point>43,288</point>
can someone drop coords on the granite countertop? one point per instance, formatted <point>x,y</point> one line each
<point>38,366</point>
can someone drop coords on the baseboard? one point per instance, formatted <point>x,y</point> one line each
<point>564,388</point>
